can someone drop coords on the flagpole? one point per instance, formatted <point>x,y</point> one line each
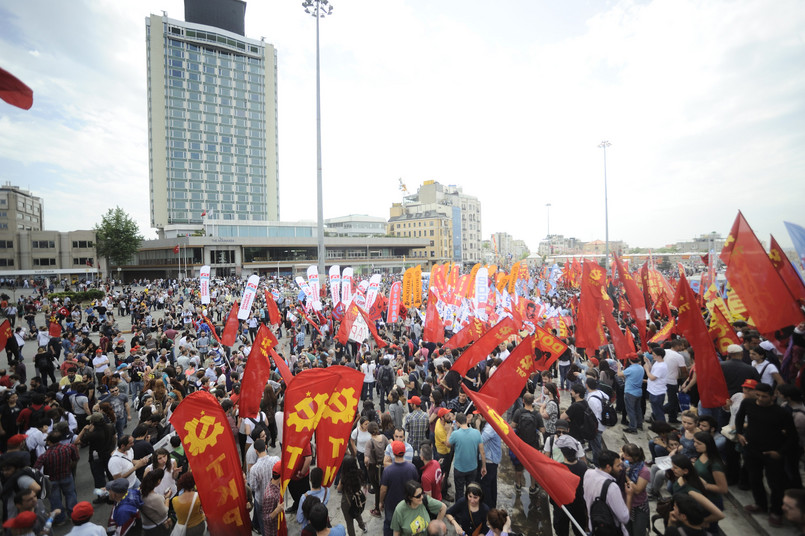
<point>573,519</point>
<point>603,145</point>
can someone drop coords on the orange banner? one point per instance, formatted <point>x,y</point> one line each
<point>408,287</point>
<point>416,299</point>
<point>213,457</point>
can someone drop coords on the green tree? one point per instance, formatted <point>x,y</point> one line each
<point>117,237</point>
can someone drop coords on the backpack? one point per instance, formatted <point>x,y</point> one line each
<point>528,428</point>
<point>602,520</point>
<point>357,502</point>
<point>589,428</point>
<point>609,416</point>
<point>386,377</point>
<point>37,415</point>
<point>41,479</point>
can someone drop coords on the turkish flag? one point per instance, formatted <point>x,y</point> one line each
<point>213,457</point>
<point>554,477</point>
<point>14,91</point>
<point>483,346</point>
<point>350,315</point>
<point>274,317</point>
<point>709,376</point>
<point>752,275</point>
<point>256,374</point>
<point>230,333</point>
<point>434,327</point>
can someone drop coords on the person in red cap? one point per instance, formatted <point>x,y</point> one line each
<point>416,424</point>
<point>392,483</point>
<point>81,516</point>
<point>22,524</point>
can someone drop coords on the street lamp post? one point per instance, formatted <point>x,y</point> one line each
<point>548,206</point>
<point>319,9</point>
<point>603,145</point>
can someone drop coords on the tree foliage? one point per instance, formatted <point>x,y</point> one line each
<point>117,237</point>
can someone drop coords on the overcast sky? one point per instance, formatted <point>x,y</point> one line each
<point>703,102</point>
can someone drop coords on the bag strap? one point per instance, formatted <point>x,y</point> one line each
<point>604,489</point>
<point>190,511</point>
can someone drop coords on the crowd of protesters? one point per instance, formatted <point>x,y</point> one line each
<point>419,457</point>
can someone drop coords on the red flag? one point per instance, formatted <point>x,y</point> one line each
<point>722,331</point>
<point>230,333</point>
<point>14,91</point>
<point>282,366</point>
<point>636,301</point>
<point>54,329</point>
<point>589,333</point>
<point>372,329</point>
<point>332,432</point>
<point>212,328</point>
<point>213,457</point>
<point>256,374</point>
<point>434,327</point>
<point>665,332</point>
<point>550,349</point>
<point>506,384</point>
<point>5,333</point>
<point>274,317</point>
<point>176,248</point>
<point>787,271</point>
<point>709,376</point>
<point>309,320</point>
<point>615,333</point>
<point>554,477</point>
<point>466,335</point>
<point>752,275</point>
<point>350,315</point>
<point>481,349</point>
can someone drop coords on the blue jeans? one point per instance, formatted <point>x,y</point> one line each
<point>563,370</point>
<point>368,387</point>
<point>633,410</point>
<point>64,487</point>
<point>656,407</point>
<point>461,480</point>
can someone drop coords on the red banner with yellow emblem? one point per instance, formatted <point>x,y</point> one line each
<point>213,457</point>
<point>554,477</point>
<point>256,374</point>
<point>6,332</point>
<point>478,351</point>
<point>466,335</point>
<point>332,432</point>
<point>506,384</point>
<point>721,331</point>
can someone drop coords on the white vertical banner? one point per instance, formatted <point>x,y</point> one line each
<point>371,291</point>
<point>481,292</point>
<point>306,289</point>
<point>346,287</point>
<point>360,294</point>
<point>315,288</point>
<point>248,297</point>
<point>335,284</point>
<point>204,284</point>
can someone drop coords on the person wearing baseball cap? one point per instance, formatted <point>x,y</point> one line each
<point>22,523</point>
<point>81,516</point>
<point>392,483</point>
<point>416,424</point>
<point>749,384</point>
<point>127,504</point>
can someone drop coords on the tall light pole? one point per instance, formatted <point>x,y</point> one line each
<point>603,145</point>
<point>319,9</point>
<point>548,206</point>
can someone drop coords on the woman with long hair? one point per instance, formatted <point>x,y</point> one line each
<point>155,506</point>
<point>550,408</point>
<point>375,450</point>
<point>711,470</point>
<point>687,481</point>
<point>638,475</point>
<point>162,460</point>
<point>188,506</point>
<point>351,486</point>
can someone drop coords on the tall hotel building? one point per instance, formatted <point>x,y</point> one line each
<point>212,122</point>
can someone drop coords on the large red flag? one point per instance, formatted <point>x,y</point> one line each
<point>352,312</point>
<point>752,275</point>
<point>332,433</point>
<point>230,334</point>
<point>372,329</point>
<point>282,366</point>
<point>54,329</point>
<point>787,272</point>
<point>589,333</point>
<point>636,301</point>
<point>554,477</point>
<point>709,376</point>
<point>5,333</point>
<point>434,327</point>
<point>721,331</point>
<point>549,347</point>
<point>256,374</point>
<point>213,457</point>
<point>481,349</point>
<point>615,334</point>
<point>506,384</point>
<point>14,91</point>
<point>470,333</point>
<point>664,332</point>
<point>274,317</point>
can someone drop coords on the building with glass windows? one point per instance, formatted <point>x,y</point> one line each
<point>212,127</point>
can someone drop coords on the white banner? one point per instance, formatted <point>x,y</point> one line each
<point>204,284</point>
<point>315,289</point>
<point>306,289</point>
<point>248,297</point>
<point>359,331</point>
<point>360,294</point>
<point>371,291</point>
<point>335,284</point>
<point>346,287</point>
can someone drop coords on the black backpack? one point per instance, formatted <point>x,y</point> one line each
<point>602,520</point>
<point>609,416</point>
<point>589,429</point>
<point>386,376</point>
<point>528,428</point>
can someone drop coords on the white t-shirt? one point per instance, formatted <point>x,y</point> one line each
<point>119,463</point>
<point>361,438</point>
<point>101,363</point>
<point>368,370</point>
<point>658,386</point>
<point>674,361</point>
<point>768,370</point>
